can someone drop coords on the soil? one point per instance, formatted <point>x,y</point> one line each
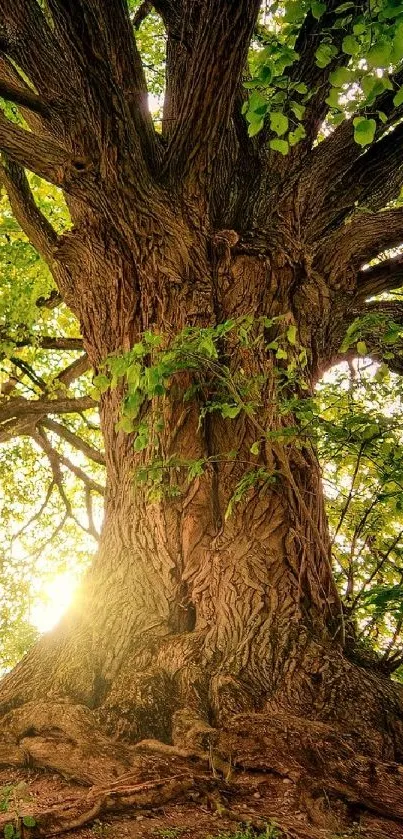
<point>213,809</point>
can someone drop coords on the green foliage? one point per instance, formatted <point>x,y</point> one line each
<point>271,831</point>
<point>13,797</point>
<point>364,59</point>
<point>151,370</point>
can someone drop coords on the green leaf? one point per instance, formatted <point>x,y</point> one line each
<point>278,122</point>
<point>297,109</point>
<point>397,49</point>
<point>257,102</point>
<point>196,469</point>
<point>266,74</point>
<point>340,77</point>
<point>207,346</point>
<point>344,7</point>
<point>324,55</point>
<point>362,347</point>
<point>125,424</point>
<point>230,411</point>
<point>9,832</point>
<point>350,45</point>
<point>300,87</point>
<point>28,821</point>
<point>279,145</point>
<point>333,98</point>
<point>140,443</point>
<point>398,98</point>
<point>281,353</point>
<point>318,9</point>
<point>255,448</point>
<point>364,130</point>
<point>292,334</point>
<point>101,382</point>
<point>380,54</point>
<point>295,136</point>
<point>255,127</point>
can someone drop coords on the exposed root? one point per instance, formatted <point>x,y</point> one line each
<point>105,800</point>
<point>63,738</point>
<point>318,757</point>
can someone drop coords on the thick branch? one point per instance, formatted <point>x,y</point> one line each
<point>27,38</point>
<point>42,156</point>
<point>385,276</point>
<point>73,371</point>
<point>74,440</point>
<point>20,407</point>
<point>336,155</point>
<point>31,220</point>
<point>10,76</point>
<point>221,41</point>
<point>374,179</point>
<point>26,98</point>
<point>46,342</point>
<point>356,243</point>
<point>98,38</point>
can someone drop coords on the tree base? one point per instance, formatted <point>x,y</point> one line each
<point>321,763</point>
<point>331,730</point>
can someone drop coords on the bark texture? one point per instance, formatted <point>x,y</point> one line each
<point>189,621</point>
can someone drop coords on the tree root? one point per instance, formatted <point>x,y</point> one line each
<point>320,759</point>
<point>62,738</point>
<point>117,798</point>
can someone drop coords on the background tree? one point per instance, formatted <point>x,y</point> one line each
<point>214,263</point>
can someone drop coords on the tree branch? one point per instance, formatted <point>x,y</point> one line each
<point>385,276</point>
<point>90,515</point>
<point>51,302</point>
<point>53,457</point>
<point>45,342</point>
<point>42,156</point>
<point>27,38</point>
<point>356,243</point>
<point>26,98</point>
<point>28,371</point>
<point>98,38</point>
<point>306,69</point>
<point>329,162</point>
<point>10,75</point>
<point>74,440</point>
<point>31,220</point>
<point>57,459</point>
<point>221,38</point>
<point>21,407</point>
<point>374,179</point>
<point>73,371</point>
<point>36,515</point>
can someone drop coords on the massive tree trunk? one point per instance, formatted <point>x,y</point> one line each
<point>187,610</point>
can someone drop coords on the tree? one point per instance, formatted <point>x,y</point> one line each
<point>215,264</point>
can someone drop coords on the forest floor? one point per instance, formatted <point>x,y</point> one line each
<point>210,808</point>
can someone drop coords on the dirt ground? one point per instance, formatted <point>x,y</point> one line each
<point>214,809</point>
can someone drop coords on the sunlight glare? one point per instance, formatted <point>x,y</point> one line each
<point>57,595</point>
